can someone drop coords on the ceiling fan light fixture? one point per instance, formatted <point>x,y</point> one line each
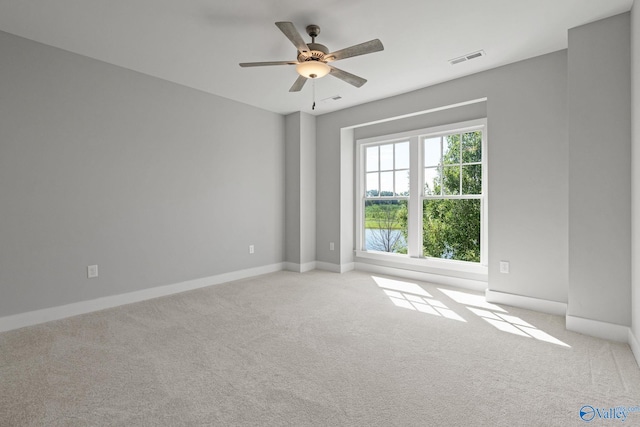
<point>313,69</point>
<point>312,57</point>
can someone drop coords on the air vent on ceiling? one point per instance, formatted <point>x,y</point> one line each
<point>331,98</point>
<point>467,57</point>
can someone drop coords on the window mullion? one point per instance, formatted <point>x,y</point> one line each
<point>393,169</point>
<point>460,164</point>
<point>379,172</point>
<point>441,165</point>
<point>414,226</point>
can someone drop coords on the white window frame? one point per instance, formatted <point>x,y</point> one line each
<point>416,197</point>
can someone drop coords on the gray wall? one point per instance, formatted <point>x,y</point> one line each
<point>154,182</point>
<point>300,228</point>
<point>292,187</point>
<point>307,188</point>
<point>527,158</point>
<point>635,181</point>
<point>600,171</point>
<point>157,183</point>
<point>453,115</point>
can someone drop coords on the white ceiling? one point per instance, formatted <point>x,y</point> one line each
<point>199,43</point>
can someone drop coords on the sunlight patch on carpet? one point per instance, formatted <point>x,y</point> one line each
<point>470,299</point>
<point>411,296</point>
<point>402,286</point>
<point>515,325</point>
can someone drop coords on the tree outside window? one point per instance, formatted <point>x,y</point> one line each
<point>450,207</point>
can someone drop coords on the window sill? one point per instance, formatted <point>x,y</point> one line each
<point>441,265</point>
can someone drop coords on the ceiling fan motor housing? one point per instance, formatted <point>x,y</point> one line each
<point>317,52</point>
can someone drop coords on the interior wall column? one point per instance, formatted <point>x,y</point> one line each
<point>600,178</point>
<point>300,190</point>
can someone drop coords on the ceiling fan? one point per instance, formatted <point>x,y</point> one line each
<point>314,58</point>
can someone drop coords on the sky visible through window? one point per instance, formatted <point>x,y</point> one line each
<point>388,169</point>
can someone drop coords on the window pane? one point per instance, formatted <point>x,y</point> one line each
<point>372,159</point>
<point>386,157</point>
<point>450,173</point>
<point>386,183</point>
<point>472,147</point>
<point>472,179</point>
<point>372,185</point>
<point>452,229</point>
<point>402,183</point>
<point>432,154</point>
<point>431,182</point>
<point>451,180</point>
<point>402,155</point>
<point>386,225</point>
<point>451,150</point>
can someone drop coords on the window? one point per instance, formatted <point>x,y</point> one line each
<point>423,194</point>
<point>386,194</point>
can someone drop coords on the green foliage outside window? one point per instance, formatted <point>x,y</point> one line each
<point>451,226</point>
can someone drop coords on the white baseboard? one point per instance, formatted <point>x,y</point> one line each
<point>300,268</point>
<point>30,318</point>
<point>634,343</point>
<point>336,268</point>
<point>598,329</point>
<point>470,284</point>
<point>529,303</point>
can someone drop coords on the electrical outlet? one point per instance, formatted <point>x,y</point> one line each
<point>252,249</point>
<point>332,247</point>
<point>504,266</point>
<point>92,271</point>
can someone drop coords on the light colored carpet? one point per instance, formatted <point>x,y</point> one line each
<point>319,348</point>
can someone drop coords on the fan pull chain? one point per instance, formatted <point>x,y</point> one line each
<point>313,87</point>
